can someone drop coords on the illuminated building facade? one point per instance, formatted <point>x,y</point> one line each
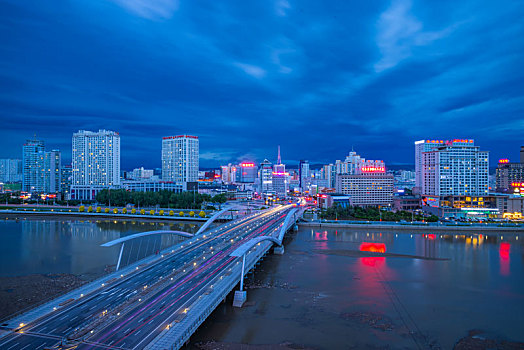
<point>508,173</point>
<point>304,175</point>
<point>247,172</point>
<point>180,158</point>
<point>41,169</point>
<point>95,163</point>
<point>369,188</point>
<point>279,178</point>
<point>455,168</point>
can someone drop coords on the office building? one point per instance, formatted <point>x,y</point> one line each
<point>41,169</point>
<point>10,170</point>
<point>180,158</point>
<point>247,172</point>
<point>95,163</point>
<point>455,168</point>
<point>370,187</point>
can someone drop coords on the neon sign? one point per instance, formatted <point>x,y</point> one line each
<point>462,140</point>
<point>247,165</point>
<point>503,161</point>
<point>517,184</point>
<point>373,169</point>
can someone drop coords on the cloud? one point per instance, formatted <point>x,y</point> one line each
<point>254,71</point>
<point>399,32</point>
<point>281,7</point>
<point>151,9</point>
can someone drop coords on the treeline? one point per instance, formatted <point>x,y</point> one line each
<point>164,198</point>
<point>371,214</point>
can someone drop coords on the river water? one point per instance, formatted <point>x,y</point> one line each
<point>332,289</point>
<point>73,246</point>
<point>328,292</point>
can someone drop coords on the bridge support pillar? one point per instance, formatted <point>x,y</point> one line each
<point>240,298</point>
<point>241,295</point>
<point>279,250</point>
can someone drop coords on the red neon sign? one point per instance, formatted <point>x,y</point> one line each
<point>373,169</point>
<point>503,161</point>
<point>247,165</point>
<point>517,184</point>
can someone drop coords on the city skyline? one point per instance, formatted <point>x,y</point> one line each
<point>317,81</point>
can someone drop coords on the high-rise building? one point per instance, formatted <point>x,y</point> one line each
<point>10,170</point>
<point>421,147</point>
<point>304,175</point>
<point>329,173</point>
<point>266,177</point>
<point>53,171</point>
<point>369,186</point>
<point>455,168</point>
<point>508,173</point>
<point>247,172</point>
<point>66,178</point>
<point>95,162</point>
<point>33,166</point>
<point>228,173</point>
<point>41,169</point>
<point>279,178</point>
<point>180,158</point>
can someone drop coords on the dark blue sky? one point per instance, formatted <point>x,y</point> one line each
<point>316,77</point>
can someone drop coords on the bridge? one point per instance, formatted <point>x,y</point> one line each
<point>158,302</point>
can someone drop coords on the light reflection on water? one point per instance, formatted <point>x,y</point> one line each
<point>54,246</point>
<point>425,289</point>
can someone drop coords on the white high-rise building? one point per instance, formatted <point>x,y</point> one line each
<point>180,158</point>
<point>95,162</point>
<point>421,147</point>
<point>455,168</point>
<point>266,177</point>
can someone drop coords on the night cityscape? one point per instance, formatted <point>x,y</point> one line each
<point>273,175</point>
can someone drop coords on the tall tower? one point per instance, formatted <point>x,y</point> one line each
<point>279,180</point>
<point>180,158</point>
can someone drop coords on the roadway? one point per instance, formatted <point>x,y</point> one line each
<point>126,314</point>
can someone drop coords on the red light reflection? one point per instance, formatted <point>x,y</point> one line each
<point>504,250</point>
<point>373,247</point>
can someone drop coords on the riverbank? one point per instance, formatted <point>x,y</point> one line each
<point>489,228</point>
<point>96,216</point>
<point>18,293</point>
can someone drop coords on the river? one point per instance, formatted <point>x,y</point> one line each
<point>331,289</point>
